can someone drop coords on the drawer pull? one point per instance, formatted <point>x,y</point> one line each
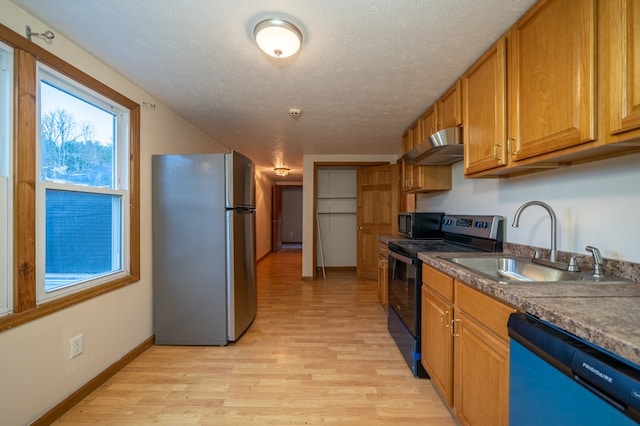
<point>452,327</point>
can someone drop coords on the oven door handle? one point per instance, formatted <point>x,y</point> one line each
<point>401,258</point>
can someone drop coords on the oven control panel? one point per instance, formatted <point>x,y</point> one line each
<point>474,225</point>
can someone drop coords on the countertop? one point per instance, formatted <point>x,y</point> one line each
<point>607,315</point>
<point>387,238</point>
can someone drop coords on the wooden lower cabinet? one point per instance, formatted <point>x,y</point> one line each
<point>437,342</point>
<point>481,384</point>
<point>465,348</point>
<point>383,278</point>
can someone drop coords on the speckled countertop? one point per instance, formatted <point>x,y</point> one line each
<point>607,315</point>
<point>387,238</point>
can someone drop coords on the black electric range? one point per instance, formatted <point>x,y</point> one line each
<point>458,233</point>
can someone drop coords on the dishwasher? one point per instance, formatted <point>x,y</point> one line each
<point>556,378</point>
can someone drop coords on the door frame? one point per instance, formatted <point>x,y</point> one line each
<point>333,164</point>
<point>276,216</point>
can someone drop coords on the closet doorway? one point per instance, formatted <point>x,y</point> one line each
<point>336,210</point>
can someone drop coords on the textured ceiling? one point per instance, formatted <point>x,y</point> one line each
<point>366,70</point>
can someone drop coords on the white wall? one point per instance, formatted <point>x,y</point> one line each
<point>596,204</point>
<point>264,187</point>
<point>35,370</point>
<point>337,221</point>
<point>307,197</point>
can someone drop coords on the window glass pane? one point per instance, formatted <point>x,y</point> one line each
<point>77,139</point>
<point>82,222</point>
<point>6,84</point>
<point>82,237</point>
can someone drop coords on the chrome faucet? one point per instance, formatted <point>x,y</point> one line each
<point>553,256</point>
<point>597,261</point>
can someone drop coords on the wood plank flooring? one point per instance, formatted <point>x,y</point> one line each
<point>318,353</point>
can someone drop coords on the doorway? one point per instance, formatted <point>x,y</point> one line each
<point>286,217</point>
<point>344,205</point>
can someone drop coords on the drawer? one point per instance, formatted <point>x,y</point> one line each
<point>489,312</point>
<point>439,282</point>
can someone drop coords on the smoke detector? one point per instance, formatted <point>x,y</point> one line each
<point>295,112</point>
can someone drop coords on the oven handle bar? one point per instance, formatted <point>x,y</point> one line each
<point>403,259</point>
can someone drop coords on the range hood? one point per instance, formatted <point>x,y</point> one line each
<point>443,147</point>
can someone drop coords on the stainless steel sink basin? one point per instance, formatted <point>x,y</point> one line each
<point>511,269</point>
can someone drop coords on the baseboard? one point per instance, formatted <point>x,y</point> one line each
<point>69,402</point>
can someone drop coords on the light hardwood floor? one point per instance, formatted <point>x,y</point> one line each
<point>318,353</point>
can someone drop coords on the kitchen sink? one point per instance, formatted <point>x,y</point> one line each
<point>512,269</point>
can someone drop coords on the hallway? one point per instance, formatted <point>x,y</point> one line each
<point>317,353</point>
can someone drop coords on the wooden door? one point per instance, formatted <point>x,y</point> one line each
<point>276,218</point>
<point>484,111</point>
<point>376,199</point>
<point>624,62</point>
<point>552,78</point>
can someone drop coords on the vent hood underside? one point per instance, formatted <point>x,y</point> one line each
<point>442,148</point>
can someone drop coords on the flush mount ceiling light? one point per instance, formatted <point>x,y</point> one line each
<point>281,171</point>
<point>278,38</point>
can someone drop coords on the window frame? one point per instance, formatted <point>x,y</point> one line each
<point>120,184</point>
<point>26,55</point>
<point>6,190</point>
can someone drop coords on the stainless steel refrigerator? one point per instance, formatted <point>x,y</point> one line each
<point>204,251</point>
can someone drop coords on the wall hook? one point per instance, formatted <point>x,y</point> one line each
<point>49,35</point>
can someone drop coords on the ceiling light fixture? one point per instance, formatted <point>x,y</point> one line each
<point>278,38</point>
<point>281,171</point>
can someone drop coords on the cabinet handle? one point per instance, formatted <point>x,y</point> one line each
<point>452,327</point>
<point>495,151</point>
<point>509,148</point>
<point>444,323</point>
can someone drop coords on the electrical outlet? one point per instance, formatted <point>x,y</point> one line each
<point>77,346</point>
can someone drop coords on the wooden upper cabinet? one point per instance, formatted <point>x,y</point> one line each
<point>409,140</point>
<point>484,111</point>
<point>428,123</point>
<point>623,24</point>
<point>449,108</point>
<point>423,178</point>
<point>552,78</point>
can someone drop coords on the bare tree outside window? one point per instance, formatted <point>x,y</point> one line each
<point>71,154</point>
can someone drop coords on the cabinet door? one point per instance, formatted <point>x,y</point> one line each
<point>484,111</point>
<point>624,49</point>
<point>481,375</point>
<point>410,140</point>
<point>448,108</point>
<point>552,78</point>
<point>428,124</point>
<point>437,343</point>
<point>383,279</point>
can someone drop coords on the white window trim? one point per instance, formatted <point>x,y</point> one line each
<point>121,187</point>
<point>6,189</point>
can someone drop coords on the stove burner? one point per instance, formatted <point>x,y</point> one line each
<point>411,248</point>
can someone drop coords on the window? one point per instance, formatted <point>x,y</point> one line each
<point>69,184</point>
<point>6,85</point>
<point>83,182</point>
